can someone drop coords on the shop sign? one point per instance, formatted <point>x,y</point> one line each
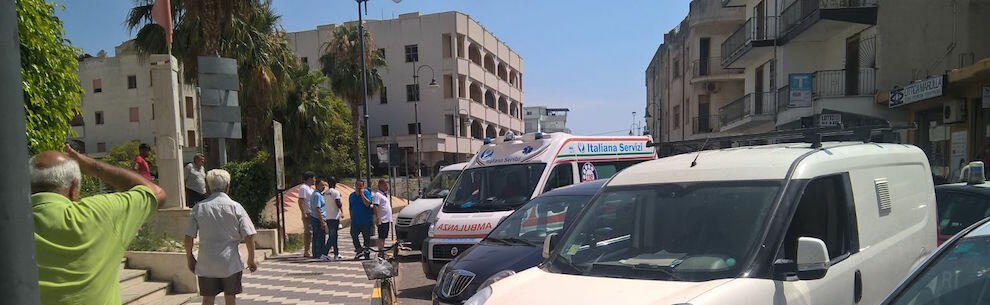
<point>830,120</point>
<point>917,91</point>
<point>801,86</point>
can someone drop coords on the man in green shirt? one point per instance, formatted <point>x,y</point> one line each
<point>80,242</point>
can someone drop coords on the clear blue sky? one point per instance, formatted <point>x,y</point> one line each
<point>589,56</point>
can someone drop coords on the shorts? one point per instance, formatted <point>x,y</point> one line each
<point>383,230</point>
<point>209,286</point>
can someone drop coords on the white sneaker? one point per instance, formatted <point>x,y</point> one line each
<point>325,258</point>
<point>338,257</point>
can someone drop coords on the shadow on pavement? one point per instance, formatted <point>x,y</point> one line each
<point>417,293</point>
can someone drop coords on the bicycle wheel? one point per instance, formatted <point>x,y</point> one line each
<point>388,292</point>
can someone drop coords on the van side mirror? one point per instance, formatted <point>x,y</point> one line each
<point>549,243</point>
<point>812,258</point>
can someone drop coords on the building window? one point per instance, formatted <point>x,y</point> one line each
<point>133,114</point>
<point>447,46</point>
<point>152,110</point>
<point>101,147</point>
<point>448,86</point>
<point>677,68</point>
<point>412,53</point>
<point>677,117</point>
<point>383,97</point>
<point>99,118</point>
<point>97,85</point>
<point>412,93</point>
<point>190,108</point>
<point>412,127</point>
<point>385,130</point>
<point>191,138</point>
<point>131,81</point>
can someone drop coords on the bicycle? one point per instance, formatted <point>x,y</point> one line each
<point>383,269</point>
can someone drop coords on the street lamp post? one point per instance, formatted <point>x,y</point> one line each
<point>433,84</point>
<point>364,93</point>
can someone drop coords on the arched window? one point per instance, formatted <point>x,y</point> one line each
<point>503,131</point>
<point>476,93</point>
<point>490,63</point>
<point>513,109</point>
<point>503,105</point>
<point>490,99</point>
<point>474,54</point>
<point>490,132</point>
<point>477,131</point>
<point>502,72</point>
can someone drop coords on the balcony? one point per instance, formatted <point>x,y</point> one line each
<point>819,20</point>
<point>704,124</point>
<point>733,3</point>
<point>747,110</point>
<point>706,70</point>
<point>711,12</point>
<point>839,83</point>
<point>748,42</point>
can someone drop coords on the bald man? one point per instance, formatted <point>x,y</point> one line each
<point>81,241</point>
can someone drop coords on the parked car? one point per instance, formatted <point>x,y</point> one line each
<point>514,245</point>
<point>955,274</point>
<point>962,204</point>
<point>414,220</point>
<point>821,223</point>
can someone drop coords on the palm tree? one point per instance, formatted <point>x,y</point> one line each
<point>342,65</point>
<point>246,30</point>
<point>315,126</point>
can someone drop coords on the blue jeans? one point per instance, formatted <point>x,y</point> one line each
<point>319,237</point>
<point>332,225</point>
<point>363,229</point>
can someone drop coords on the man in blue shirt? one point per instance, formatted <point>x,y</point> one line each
<point>318,205</point>
<point>361,219</point>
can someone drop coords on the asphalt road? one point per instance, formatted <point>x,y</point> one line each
<point>414,287</point>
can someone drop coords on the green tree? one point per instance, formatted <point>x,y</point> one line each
<point>49,70</point>
<point>245,30</point>
<point>252,183</point>
<point>315,127</point>
<point>341,63</point>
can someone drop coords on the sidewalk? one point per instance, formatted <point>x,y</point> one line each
<point>292,279</point>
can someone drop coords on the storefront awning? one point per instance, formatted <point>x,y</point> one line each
<point>978,72</point>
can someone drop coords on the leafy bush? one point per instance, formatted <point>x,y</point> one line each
<point>148,239</point>
<point>293,242</point>
<point>252,183</point>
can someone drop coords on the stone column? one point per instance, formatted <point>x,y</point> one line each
<point>168,130</point>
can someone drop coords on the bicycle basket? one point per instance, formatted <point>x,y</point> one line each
<point>379,268</point>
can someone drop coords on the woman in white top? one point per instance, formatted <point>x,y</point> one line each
<point>196,180</point>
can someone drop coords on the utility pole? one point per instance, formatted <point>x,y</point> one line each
<point>364,93</point>
<point>21,277</point>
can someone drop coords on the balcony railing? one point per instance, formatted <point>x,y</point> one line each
<point>752,30</point>
<point>838,83</point>
<point>753,104</point>
<point>710,66</point>
<point>704,124</point>
<point>801,9</point>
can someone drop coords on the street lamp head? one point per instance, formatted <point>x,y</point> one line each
<point>434,84</point>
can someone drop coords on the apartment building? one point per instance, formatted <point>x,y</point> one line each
<point>688,90</point>
<point>118,103</point>
<point>543,119</point>
<point>478,92</point>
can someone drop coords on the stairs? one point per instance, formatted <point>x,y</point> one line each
<point>136,289</point>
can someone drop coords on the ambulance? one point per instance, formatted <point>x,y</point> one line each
<point>509,171</point>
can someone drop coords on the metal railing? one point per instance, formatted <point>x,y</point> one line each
<point>753,29</point>
<point>795,13</point>
<point>753,104</point>
<point>704,124</point>
<point>711,66</point>
<point>837,83</point>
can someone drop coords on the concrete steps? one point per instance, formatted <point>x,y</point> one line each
<point>136,289</point>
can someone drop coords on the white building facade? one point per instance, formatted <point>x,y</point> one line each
<point>543,119</point>
<point>118,104</point>
<point>479,78</point>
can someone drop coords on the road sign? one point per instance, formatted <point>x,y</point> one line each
<point>801,86</point>
<point>830,120</point>
<point>279,156</point>
<point>220,111</point>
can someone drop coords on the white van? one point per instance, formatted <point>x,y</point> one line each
<point>414,220</point>
<point>778,224</point>
<point>502,176</point>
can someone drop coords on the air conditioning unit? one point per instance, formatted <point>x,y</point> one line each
<point>954,111</point>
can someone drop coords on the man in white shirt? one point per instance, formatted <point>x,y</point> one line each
<point>306,191</point>
<point>332,215</point>
<point>382,204</point>
<point>221,224</point>
<point>196,180</point>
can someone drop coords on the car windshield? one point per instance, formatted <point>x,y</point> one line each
<point>440,186</point>
<point>959,210</point>
<point>494,188</point>
<point>531,223</point>
<point>958,276</point>
<point>687,231</point>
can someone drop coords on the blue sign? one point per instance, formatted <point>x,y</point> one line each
<point>801,86</point>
